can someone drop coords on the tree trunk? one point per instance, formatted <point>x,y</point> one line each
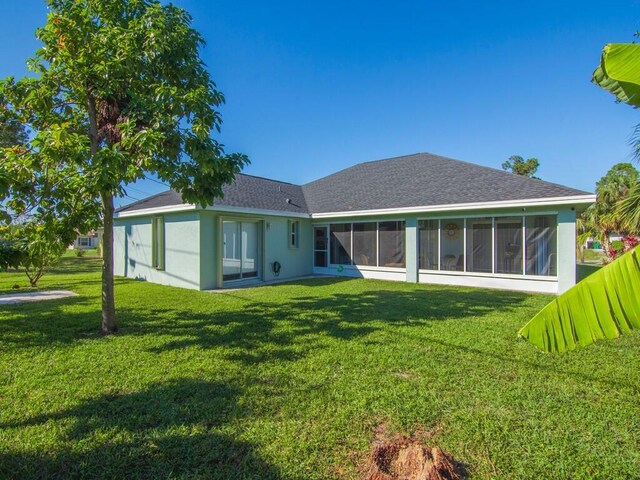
<point>106,196</point>
<point>108,297</point>
<point>606,244</point>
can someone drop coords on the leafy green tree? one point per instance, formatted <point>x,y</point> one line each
<point>119,92</point>
<point>12,254</point>
<point>12,133</point>
<point>38,245</point>
<point>518,165</point>
<point>603,218</point>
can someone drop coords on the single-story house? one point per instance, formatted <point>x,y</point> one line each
<point>86,240</point>
<point>416,218</point>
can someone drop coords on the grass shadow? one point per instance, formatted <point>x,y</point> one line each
<point>169,430</point>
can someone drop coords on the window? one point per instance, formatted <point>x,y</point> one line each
<point>365,243</point>
<point>428,244</point>
<point>84,242</point>
<point>391,238</point>
<point>320,246</point>
<point>452,244</point>
<point>157,243</point>
<point>479,245</point>
<point>508,245</point>
<point>294,234</point>
<point>490,245</point>
<point>340,244</point>
<point>541,245</point>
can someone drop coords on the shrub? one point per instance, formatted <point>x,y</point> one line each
<point>12,254</point>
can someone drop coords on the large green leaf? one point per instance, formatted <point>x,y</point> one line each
<point>619,72</point>
<point>603,305</point>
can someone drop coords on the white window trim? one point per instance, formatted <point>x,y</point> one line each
<point>293,236</point>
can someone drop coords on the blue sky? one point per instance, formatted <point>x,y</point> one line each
<point>314,87</point>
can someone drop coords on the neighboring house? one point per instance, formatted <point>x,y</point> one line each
<point>592,243</point>
<point>417,218</point>
<point>85,241</point>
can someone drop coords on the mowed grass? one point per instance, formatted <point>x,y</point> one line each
<point>291,381</point>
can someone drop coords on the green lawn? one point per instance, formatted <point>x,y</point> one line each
<point>291,381</point>
<point>593,255</point>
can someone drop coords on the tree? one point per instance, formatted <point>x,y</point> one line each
<point>38,245</point>
<point>604,215</point>
<point>12,133</point>
<point>518,165</point>
<point>120,93</point>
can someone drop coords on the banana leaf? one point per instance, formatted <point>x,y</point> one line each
<point>604,305</point>
<point>619,72</point>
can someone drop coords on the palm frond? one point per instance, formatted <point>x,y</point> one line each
<point>602,306</point>
<point>629,210</point>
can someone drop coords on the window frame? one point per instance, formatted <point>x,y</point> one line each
<point>353,265</point>
<point>493,217</point>
<point>158,243</point>
<point>293,236</point>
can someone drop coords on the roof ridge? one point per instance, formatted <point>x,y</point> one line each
<point>365,163</point>
<point>269,179</point>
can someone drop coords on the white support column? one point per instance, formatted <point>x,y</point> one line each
<point>411,249</point>
<point>219,253</point>
<point>566,250</point>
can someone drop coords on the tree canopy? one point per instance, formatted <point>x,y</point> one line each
<point>518,165</point>
<point>119,92</point>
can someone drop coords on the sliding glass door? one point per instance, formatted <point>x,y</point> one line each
<point>240,250</point>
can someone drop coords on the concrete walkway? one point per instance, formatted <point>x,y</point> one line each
<point>35,296</point>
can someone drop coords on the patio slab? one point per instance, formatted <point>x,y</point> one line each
<point>261,283</point>
<point>35,296</point>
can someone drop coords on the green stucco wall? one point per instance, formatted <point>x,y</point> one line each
<point>132,249</point>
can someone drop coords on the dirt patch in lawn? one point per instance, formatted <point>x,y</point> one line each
<point>409,458</point>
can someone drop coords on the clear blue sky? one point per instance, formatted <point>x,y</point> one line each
<point>314,87</point>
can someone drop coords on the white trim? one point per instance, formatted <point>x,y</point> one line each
<point>493,246</point>
<point>534,202</point>
<point>487,215</point>
<point>156,210</point>
<point>521,283</point>
<point>511,276</point>
<point>464,245</point>
<point>256,211</point>
<point>524,245</point>
<point>215,208</point>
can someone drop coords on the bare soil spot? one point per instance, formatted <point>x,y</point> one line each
<point>405,375</point>
<point>409,458</point>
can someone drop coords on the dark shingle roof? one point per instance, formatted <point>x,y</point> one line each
<point>420,180</point>
<point>417,180</point>
<point>246,191</point>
